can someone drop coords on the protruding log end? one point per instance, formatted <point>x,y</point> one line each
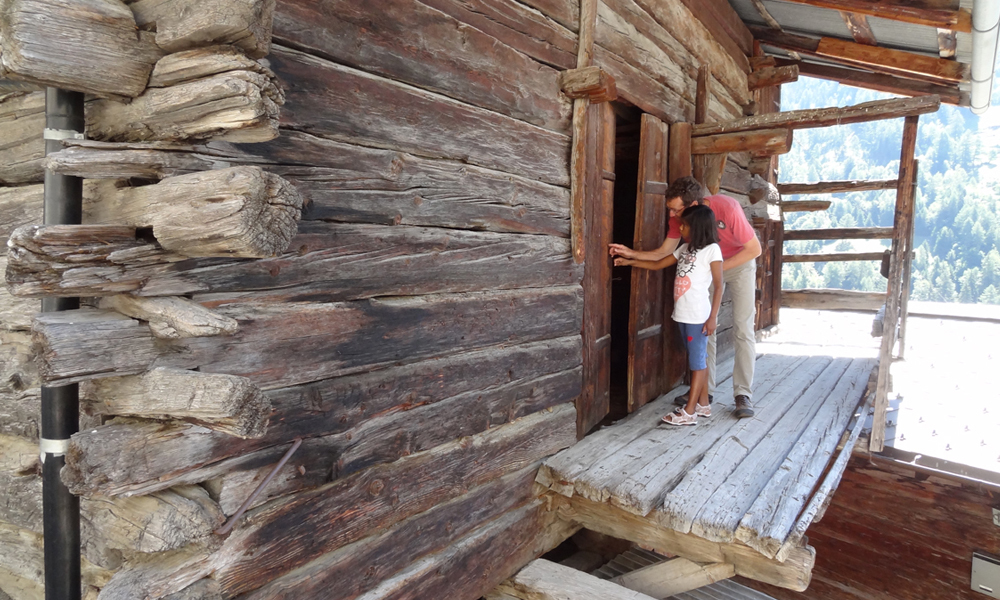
<point>172,317</point>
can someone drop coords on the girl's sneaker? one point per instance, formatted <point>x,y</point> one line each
<point>681,417</point>
<point>703,411</point>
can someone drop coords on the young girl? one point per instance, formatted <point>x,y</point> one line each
<point>699,265</point>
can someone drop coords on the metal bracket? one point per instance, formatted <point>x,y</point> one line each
<point>53,447</point>
<point>62,134</point>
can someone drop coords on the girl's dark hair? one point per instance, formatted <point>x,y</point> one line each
<point>701,221</point>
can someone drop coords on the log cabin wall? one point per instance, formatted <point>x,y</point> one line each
<point>892,533</point>
<point>421,333</point>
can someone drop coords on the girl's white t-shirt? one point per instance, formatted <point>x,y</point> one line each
<point>692,303</point>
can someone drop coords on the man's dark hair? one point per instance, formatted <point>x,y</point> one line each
<point>701,221</point>
<point>687,189</point>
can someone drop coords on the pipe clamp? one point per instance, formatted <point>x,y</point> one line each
<point>62,134</point>
<point>53,447</point>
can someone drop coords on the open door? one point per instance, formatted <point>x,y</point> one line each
<point>598,226</point>
<point>646,327</point>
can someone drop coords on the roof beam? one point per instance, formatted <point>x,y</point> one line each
<point>860,30</point>
<point>881,82</point>
<point>836,187</point>
<point>824,117</point>
<point>881,60</point>
<point>945,14</point>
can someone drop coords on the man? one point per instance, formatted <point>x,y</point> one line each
<point>740,247</point>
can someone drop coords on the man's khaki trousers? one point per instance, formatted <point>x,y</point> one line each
<point>742,284</point>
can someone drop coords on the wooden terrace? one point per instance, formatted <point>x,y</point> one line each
<point>734,491</point>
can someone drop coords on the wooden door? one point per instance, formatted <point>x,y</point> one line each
<point>675,363</point>
<point>594,401</point>
<point>645,324</point>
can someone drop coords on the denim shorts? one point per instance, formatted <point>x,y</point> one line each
<point>697,345</point>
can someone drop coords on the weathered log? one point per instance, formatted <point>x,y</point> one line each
<point>15,313</point>
<point>875,110</point>
<point>162,521</point>
<point>385,439</point>
<point>289,533</point>
<point>143,160</point>
<point>805,205</point>
<point>894,62</point>
<point>99,50</point>
<point>18,455</point>
<point>82,260</point>
<point>183,24</point>
<point>674,577</point>
<point>726,27</point>
<point>17,368</point>
<point>130,458</point>
<point>18,206</point>
<point>328,261</point>
<point>280,345</point>
<point>590,83</point>
<point>833,257</point>
<point>22,564</point>
<point>68,340</point>
<point>204,589</point>
<point>173,317</point>
<point>236,106</point>
<point>382,113</point>
<point>836,187</point>
<point>763,78</point>
<point>936,14</point>
<point>884,83</point>
<point>241,212</point>
<point>832,299</point>
<point>545,580</point>
<point>769,141</point>
<point>22,149</point>
<point>841,233</point>
<point>225,403</point>
<point>415,43</point>
<point>190,65</point>
<point>761,62</point>
<point>712,167</point>
<point>346,569</point>
<point>20,411</point>
<point>345,182</point>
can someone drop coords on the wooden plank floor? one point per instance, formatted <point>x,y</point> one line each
<point>725,480</point>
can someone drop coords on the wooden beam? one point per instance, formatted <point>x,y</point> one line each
<point>842,233</point>
<point>674,576</point>
<point>875,110</point>
<point>22,121</point>
<point>726,26</point>
<point>835,187</point>
<point>947,43</point>
<point>545,580</point>
<point>833,257</point>
<point>805,205</point>
<point>591,83</point>
<point>766,15</point>
<point>882,83</point>
<point>761,62</point>
<point>832,299</point>
<point>794,574</point>
<point>934,13</point>
<point>183,24</point>
<point>765,141</point>
<point>860,30</point>
<point>894,62</point>
<point>171,317</point>
<point>905,201</point>
<point>702,97</point>
<point>578,162</point>
<point>772,76</point>
<point>226,403</point>
<point>679,159</point>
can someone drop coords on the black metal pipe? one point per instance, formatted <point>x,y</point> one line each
<point>60,405</point>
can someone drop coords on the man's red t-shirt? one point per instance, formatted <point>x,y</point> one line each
<point>734,229</point>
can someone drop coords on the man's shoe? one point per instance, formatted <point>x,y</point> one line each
<point>682,400</point>
<point>744,408</point>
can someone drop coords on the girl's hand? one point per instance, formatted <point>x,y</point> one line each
<point>620,250</point>
<point>623,262</point>
<point>710,326</point>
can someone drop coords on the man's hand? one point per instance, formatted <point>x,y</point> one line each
<point>710,326</point>
<point>620,250</point>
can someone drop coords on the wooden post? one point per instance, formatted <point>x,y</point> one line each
<point>907,258</point>
<point>578,163</point>
<point>905,195</point>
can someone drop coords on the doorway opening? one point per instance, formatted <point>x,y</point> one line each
<point>628,124</point>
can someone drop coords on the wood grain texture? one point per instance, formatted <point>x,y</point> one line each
<point>99,50</point>
<point>884,83</point>
<point>182,24</point>
<point>822,117</point>
<point>377,112</point>
<point>256,552</point>
<point>832,299</point>
<point>171,317</point>
<point>772,76</point>
<point>674,576</point>
<point>22,564</point>
<point>224,403</point>
<point>340,406</point>
<point>324,337</point>
<point>767,141</point>
<point>836,187</point>
<point>936,13</point>
<point>726,26</point>
<point>545,580</point>
<point>241,212</point>
<point>415,43</point>
<point>860,30</point>
<point>359,567</point>
<point>833,257</point>
<point>19,206</point>
<point>894,62</point>
<point>841,233</point>
<point>22,151</point>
